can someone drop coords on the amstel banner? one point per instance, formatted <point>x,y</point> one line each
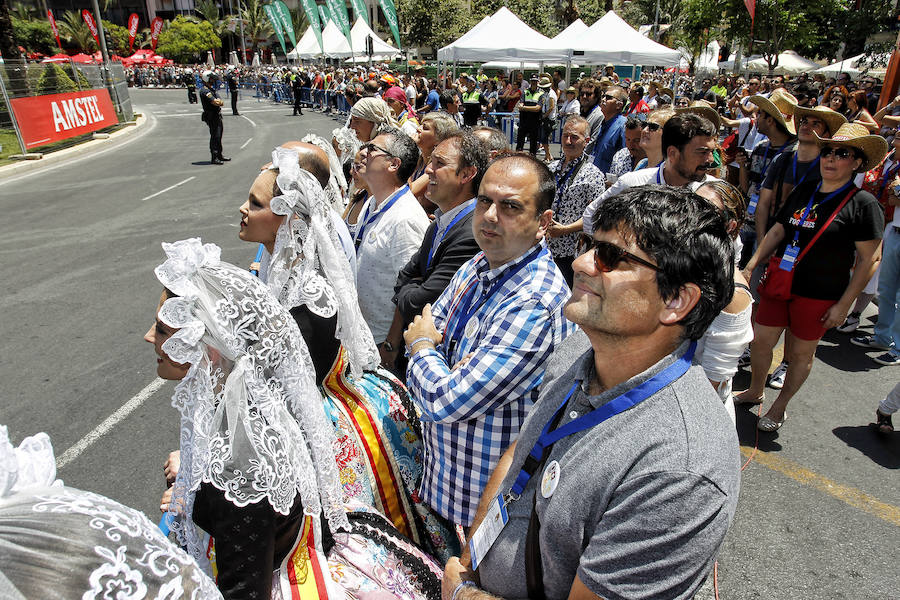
<point>54,117</point>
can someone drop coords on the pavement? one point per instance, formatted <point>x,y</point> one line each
<point>819,510</point>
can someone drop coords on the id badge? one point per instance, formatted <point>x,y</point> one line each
<point>754,200</point>
<point>789,258</point>
<point>487,533</point>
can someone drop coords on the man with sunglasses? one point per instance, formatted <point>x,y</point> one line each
<point>477,358</point>
<point>602,496</point>
<point>390,228</point>
<point>610,135</point>
<point>688,141</point>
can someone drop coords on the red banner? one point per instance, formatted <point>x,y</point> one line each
<point>155,27</point>
<point>53,27</point>
<point>55,117</point>
<point>92,25</point>
<point>132,29</point>
<point>751,8</point>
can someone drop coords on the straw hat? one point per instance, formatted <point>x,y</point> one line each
<point>853,135</point>
<point>832,119</point>
<point>546,82</point>
<point>703,109</point>
<point>780,105</point>
<point>664,91</point>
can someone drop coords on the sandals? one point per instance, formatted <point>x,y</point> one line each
<point>739,402</point>
<point>883,424</point>
<point>770,425</point>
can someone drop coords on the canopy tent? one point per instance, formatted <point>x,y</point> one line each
<point>509,65</point>
<point>708,59</point>
<point>612,40</point>
<point>358,34</point>
<point>728,65</point>
<point>851,66</point>
<point>570,33</point>
<point>83,58</point>
<point>56,58</point>
<point>336,46</point>
<point>492,40</point>
<point>789,62</point>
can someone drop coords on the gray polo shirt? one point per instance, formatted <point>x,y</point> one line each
<point>643,501</point>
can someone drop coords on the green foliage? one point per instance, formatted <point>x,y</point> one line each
<point>55,81</point>
<point>186,41</point>
<point>256,24</point>
<point>73,28</point>
<point>83,82</point>
<point>23,10</point>
<point>434,23</point>
<point>540,15</point>
<point>34,36</point>
<point>116,38</point>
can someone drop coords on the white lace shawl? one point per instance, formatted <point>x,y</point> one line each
<point>308,265</point>
<point>252,421</point>
<point>336,192</point>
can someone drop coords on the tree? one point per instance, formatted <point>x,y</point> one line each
<point>55,81</point>
<point>34,36</point>
<point>8,47</point>
<point>76,33</point>
<point>185,41</point>
<point>209,11</point>
<point>434,23</point>
<point>256,23</point>
<point>116,38</point>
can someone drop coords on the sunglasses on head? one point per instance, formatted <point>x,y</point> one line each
<point>842,153</point>
<point>650,126</point>
<point>607,256</point>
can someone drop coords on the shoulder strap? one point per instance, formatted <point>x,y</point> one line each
<point>849,195</point>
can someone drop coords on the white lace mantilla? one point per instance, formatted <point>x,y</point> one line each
<point>252,422</point>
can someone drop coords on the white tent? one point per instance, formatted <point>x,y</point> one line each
<point>613,40</point>
<point>308,46</point>
<point>570,33</point>
<point>509,65</point>
<point>708,60</point>
<point>502,37</point>
<point>849,66</point>
<point>789,62</point>
<point>358,34</point>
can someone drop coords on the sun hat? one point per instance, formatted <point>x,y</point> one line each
<point>545,82</point>
<point>854,135</point>
<point>779,105</point>
<point>703,109</point>
<point>833,119</point>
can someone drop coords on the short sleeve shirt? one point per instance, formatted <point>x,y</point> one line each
<point>573,194</point>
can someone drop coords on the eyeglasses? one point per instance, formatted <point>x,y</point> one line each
<point>609,97</point>
<point>650,126</point>
<point>371,147</point>
<point>607,256</point>
<point>841,153</point>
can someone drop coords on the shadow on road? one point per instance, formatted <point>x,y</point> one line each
<point>883,450</point>
<point>836,350</point>
<point>747,432</point>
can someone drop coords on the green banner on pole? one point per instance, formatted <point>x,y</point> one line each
<point>324,15</point>
<point>359,8</point>
<point>390,13</point>
<point>275,20</point>
<point>338,10</point>
<point>312,15</point>
<point>287,25</point>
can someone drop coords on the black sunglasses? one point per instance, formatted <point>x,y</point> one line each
<point>609,97</point>
<point>650,126</point>
<point>371,147</point>
<point>607,256</point>
<point>842,153</point>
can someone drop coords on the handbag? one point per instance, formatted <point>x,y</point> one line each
<point>776,283</point>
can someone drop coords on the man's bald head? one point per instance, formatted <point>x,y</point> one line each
<point>312,159</point>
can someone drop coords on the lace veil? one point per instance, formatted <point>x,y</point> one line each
<point>308,266</point>
<point>336,192</point>
<point>252,421</point>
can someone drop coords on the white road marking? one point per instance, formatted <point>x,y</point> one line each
<point>244,145</point>
<point>171,187</point>
<point>110,422</point>
<point>197,114</point>
<point>248,118</point>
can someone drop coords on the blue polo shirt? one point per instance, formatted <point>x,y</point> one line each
<point>433,101</point>
<point>610,139</point>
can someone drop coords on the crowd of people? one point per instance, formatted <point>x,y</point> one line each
<point>453,368</point>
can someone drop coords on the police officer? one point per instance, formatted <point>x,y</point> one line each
<point>296,88</point>
<point>191,82</point>
<point>531,110</point>
<point>231,80</point>
<point>473,101</point>
<point>212,116</point>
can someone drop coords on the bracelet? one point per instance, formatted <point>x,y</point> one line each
<point>409,346</point>
<point>459,588</point>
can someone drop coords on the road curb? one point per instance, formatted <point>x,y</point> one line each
<point>78,150</point>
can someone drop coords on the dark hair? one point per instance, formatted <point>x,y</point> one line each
<point>686,237</point>
<point>546,185</point>
<point>447,96</point>
<point>496,140</point>
<point>639,89</point>
<point>634,123</point>
<point>472,153</point>
<point>859,97</point>
<point>682,127</point>
<point>403,147</point>
<point>734,202</point>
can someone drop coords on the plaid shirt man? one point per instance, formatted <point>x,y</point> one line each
<point>472,409</point>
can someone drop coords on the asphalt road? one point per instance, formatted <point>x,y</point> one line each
<point>819,513</point>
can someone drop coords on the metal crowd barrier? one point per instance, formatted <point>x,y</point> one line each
<point>509,125</point>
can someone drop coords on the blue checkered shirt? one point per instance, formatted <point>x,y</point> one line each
<point>472,413</point>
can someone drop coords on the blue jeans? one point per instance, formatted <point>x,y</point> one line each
<point>887,328</point>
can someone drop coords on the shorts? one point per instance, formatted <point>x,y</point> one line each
<point>801,316</point>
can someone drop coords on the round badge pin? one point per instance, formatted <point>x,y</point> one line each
<point>550,479</point>
<point>472,327</point>
<point>372,238</point>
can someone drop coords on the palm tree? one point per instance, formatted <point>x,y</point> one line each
<point>75,30</point>
<point>256,23</point>
<point>209,10</point>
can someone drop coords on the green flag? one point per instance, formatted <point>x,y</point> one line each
<point>312,15</point>
<point>338,10</point>
<point>274,18</point>
<point>323,14</point>
<point>360,9</point>
<point>390,13</point>
<point>287,26</point>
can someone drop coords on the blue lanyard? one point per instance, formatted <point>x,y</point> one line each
<point>762,175</point>
<point>808,169</point>
<point>562,183</point>
<point>809,206</point>
<point>437,242</point>
<point>551,434</point>
<point>370,219</point>
<point>659,174</point>
<point>469,308</point>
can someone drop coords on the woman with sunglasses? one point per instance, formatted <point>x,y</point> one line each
<point>651,137</point>
<point>848,222</point>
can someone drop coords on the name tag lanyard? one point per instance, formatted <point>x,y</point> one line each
<point>792,252</point>
<point>371,219</point>
<point>437,242</point>
<point>659,172</point>
<point>467,307</point>
<point>812,166</point>
<point>563,182</point>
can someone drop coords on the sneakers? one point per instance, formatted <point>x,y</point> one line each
<point>850,324</point>
<point>887,359</point>
<point>868,341</point>
<point>776,379</point>
<point>744,360</point>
